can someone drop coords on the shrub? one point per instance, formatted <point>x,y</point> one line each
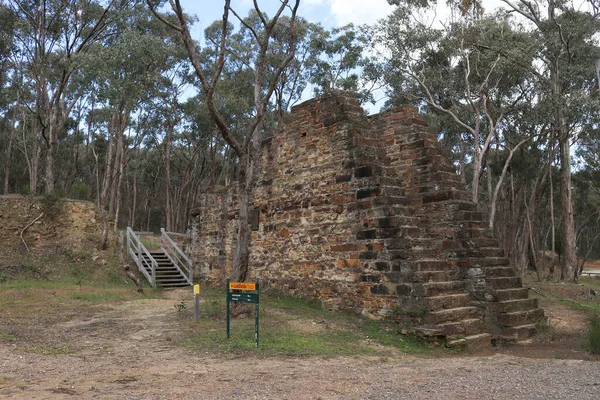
<point>594,334</point>
<point>79,190</point>
<point>52,205</point>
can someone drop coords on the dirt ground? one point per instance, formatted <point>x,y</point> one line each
<point>131,350</point>
<point>127,351</point>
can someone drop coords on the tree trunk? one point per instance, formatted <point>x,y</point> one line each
<point>569,265</point>
<point>241,257</point>
<point>107,180</point>
<point>168,206</point>
<point>50,153</point>
<point>122,165</point>
<point>9,148</point>
<point>553,224</point>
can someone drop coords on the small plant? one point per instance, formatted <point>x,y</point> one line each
<point>180,307</point>
<point>79,190</point>
<point>52,205</point>
<point>594,334</point>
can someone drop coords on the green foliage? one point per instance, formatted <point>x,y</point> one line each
<point>594,334</point>
<point>79,190</point>
<point>47,350</point>
<point>52,204</point>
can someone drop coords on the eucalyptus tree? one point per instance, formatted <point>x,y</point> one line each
<point>55,36</point>
<point>458,74</point>
<point>343,58</point>
<point>7,96</point>
<point>569,45</point>
<point>246,145</point>
<point>128,69</point>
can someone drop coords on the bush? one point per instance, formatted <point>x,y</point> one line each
<point>52,205</point>
<point>594,334</point>
<point>79,190</point>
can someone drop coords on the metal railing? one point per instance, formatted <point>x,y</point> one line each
<point>141,256</point>
<point>176,255</point>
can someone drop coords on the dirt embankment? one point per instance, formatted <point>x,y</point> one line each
<point>42,234</point>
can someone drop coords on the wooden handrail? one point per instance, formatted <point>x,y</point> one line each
<point>135,247</point>
<point>176,255</point>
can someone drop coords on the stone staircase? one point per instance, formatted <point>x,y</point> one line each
<point>470,293</point>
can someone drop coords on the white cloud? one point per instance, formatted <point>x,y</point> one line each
<point>358,11</point>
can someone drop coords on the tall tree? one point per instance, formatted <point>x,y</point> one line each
<point>55,35</point>
<point>245,147</point>
<point>569,46</point>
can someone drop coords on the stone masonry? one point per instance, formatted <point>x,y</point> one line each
<point>367,214</point>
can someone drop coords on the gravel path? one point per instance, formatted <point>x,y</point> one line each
<point>175,374</point>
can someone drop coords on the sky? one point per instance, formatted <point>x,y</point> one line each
<point>330,13</point>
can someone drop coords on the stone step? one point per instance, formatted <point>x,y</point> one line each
<point>490,261</point>
<point>451,315</point>
<point>510,294</point>
<point>519,318</point>
<point>440,288</point>
<point>494,252</point>
<point>483,232</point>
<point>433,265</point>
<point>486,242</point>
<point>435,303</point>
<point>500,272</point>
<point>468,216</point>
<point>473,342</point>
<point>465,327</point>
<point>436,276</point>
<point>509,306</point>
<point>505,282</point>
<point>517,333</point>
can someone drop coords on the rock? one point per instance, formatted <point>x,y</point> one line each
<point>594,292</point>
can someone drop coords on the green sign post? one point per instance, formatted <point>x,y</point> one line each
<point>242,292</point>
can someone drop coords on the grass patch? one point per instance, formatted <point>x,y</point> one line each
<point>24,301</point>
<point>5,337</point>
<point>47,350</point>
<point>292,327</point>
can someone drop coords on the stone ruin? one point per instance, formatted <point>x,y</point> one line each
<point>367,214</point>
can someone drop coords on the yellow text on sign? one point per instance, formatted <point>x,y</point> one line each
<point>242,286</point>
<point>196,289</point>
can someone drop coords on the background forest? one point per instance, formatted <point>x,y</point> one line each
<point>112,102</point>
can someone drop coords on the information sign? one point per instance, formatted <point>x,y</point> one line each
<point>242,292</point>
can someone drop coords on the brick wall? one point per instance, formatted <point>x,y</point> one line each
<point>366,214</point>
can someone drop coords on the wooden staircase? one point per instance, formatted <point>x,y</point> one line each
<point>168,267</point>
<point>167,274</point>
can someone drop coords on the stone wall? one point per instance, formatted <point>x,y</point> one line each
<point>367,215</point>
